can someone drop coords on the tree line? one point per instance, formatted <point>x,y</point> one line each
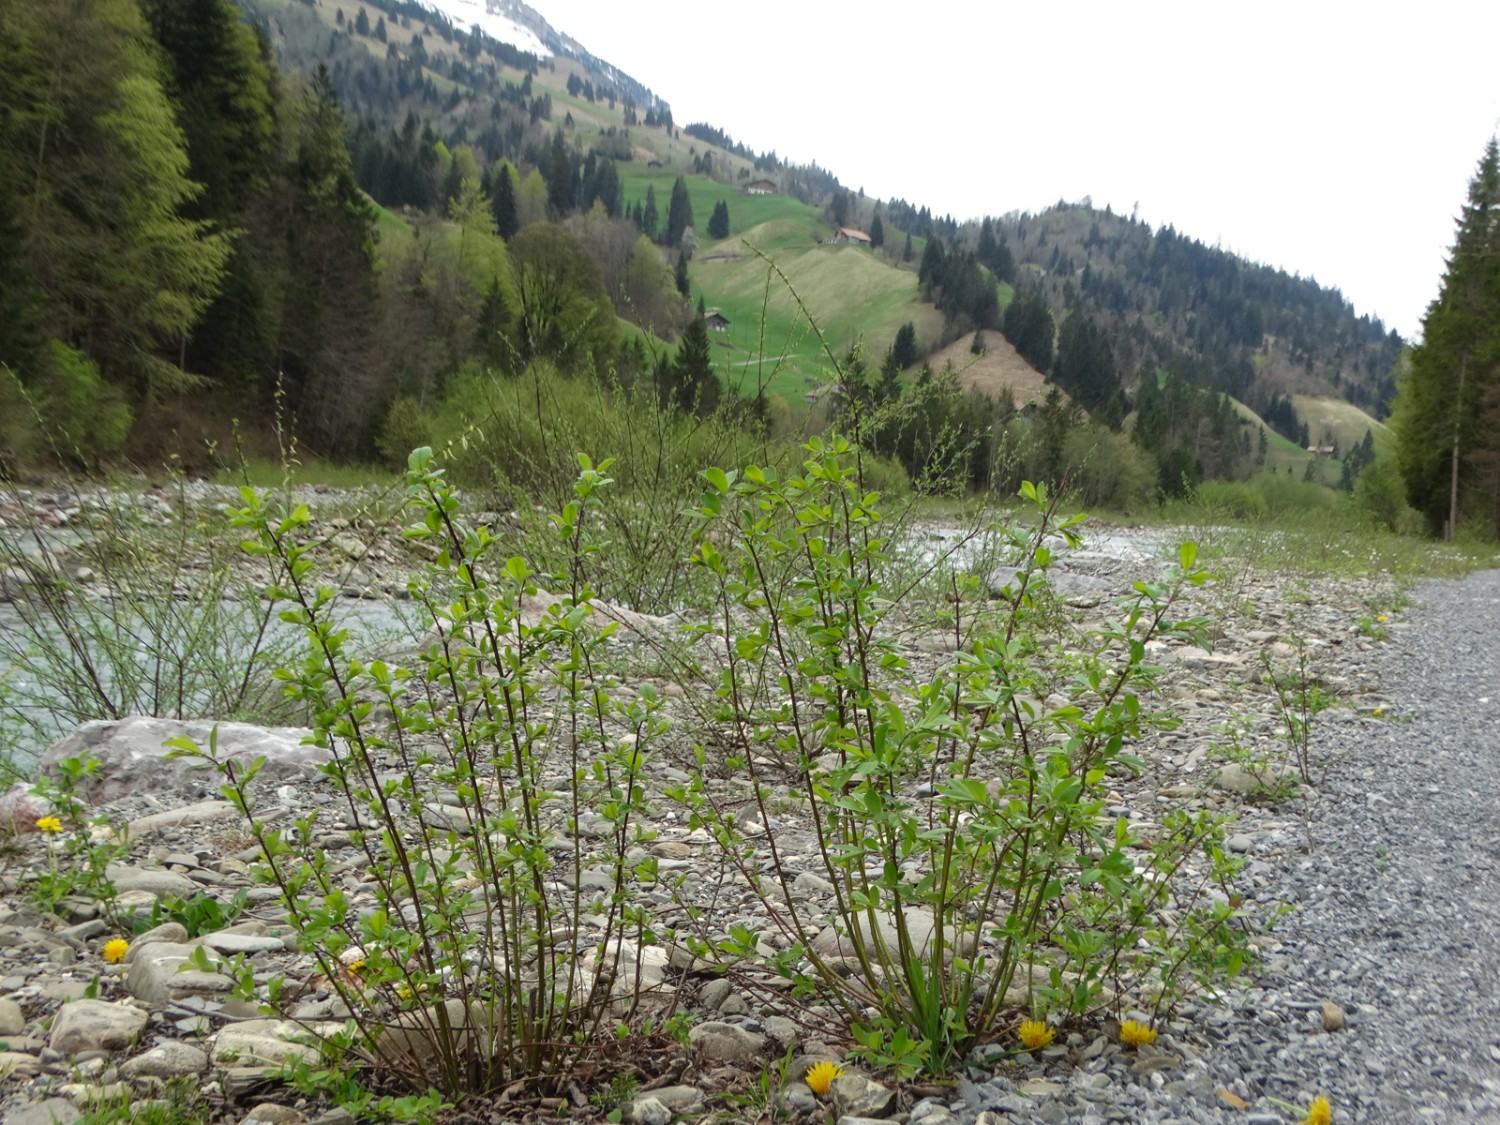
<point>179,216</point>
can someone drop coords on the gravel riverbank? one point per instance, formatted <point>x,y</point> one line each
<point>1377,989</point>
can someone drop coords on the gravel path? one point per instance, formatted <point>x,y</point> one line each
<point>1397,915</point>
<point>1399,903</point>
<point>1395,920</point>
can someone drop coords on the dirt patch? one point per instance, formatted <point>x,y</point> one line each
<point>999,367</point>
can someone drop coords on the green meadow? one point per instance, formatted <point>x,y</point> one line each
<point>776,276</point>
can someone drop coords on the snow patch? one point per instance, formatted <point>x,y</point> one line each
<point>464,14</point>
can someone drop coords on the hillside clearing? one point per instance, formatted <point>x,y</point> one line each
<point>999,368</point>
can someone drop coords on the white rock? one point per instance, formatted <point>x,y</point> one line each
<point>132,758</point>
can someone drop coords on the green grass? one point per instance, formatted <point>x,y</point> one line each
<point>389,221</point>
<point>851,293</point>
<point>745,211</point>
<point>1305,529</point>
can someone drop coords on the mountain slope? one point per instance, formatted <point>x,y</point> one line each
<point>1172,302</point>
<point>1165,302</point>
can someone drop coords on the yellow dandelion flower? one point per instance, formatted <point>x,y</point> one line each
<point>49,824</point>
<point>115,950</point>
<point>1319,1113</point>
<point>1034,1034</point>
<point>820,1076</point>
<point>1382,619</point>
<point>1135,1034</point>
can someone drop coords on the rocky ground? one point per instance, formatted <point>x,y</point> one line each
<point>1377,988</point>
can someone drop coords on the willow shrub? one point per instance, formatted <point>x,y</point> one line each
<point>960,818</point>
<point>124,613</point>
<point>463,963</point>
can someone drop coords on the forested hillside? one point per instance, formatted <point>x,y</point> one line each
<point>1173,303</point>
<point>348,218</point>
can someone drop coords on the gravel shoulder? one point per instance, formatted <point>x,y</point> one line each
<point>1397,906</point>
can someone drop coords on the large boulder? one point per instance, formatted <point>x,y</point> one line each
<point>133,759</point>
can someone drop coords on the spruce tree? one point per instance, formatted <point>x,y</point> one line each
<point>687,380</point>
<point>1439,415</point>
<point>904,350</point>
<point>679,213</point>
<point>718,223</point>
<point>503,201</point>
<point>650,217</point>
<point>1085,366</point>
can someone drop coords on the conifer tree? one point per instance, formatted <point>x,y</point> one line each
<point>649,217</point>
<point>904,350</point>
<point>1085,366</point>
<point>718,223</point>
<point>679,213</point>
<point>1439,415</point>
<point>328,304</point>
<point>96,169</point>
<point>687,380</point>
<point>503,201</point>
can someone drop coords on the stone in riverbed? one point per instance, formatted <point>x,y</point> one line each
<point>856,1096</point>
<point>12,1020</point>
<point>18,1064</point>
<point>168,1059</point>
<point>261,1043</point>
<point>273,1113</point>
<point>154,975</point>
<point>726,1042</point>
<point>21,808</point>
<point>649,1111</point>
<point>204,812</point>
<point>1247,782</point>
<point>95,1025</point>
<point>132,758</point>
<point>243,943</point>
<point>155,881</point>
<point>172,932</point>
<point>52,1111</point>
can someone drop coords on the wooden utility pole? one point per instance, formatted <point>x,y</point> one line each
<point>1458,417</point>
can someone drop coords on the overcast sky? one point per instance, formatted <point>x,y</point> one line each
<point>1335,140</point>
